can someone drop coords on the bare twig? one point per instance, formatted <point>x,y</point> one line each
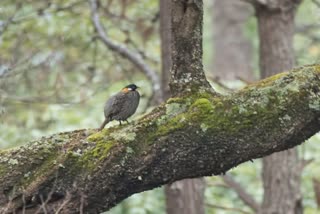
<point>241,192</point>
<point>226,208</point>
<point>64,203</point>
<point>316,3</point>
<point>304,163</point>
<point>133,57</point>
<point>70,6</point>
<point>217,81</point>
<point>316,189</point>
<point>247,82</point>
<point>252,2</point>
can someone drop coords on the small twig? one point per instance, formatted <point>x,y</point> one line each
<point>217,81</point>
<point>247,82</point>
<point>24,204</point>
<point>125,52</point>
<point>305,162</point>
<point>70,6</point>
<point>241,192</point>
<point>216,184</point>
<point>226,208</point>
<point>64,203</point>
<point>42,206</point>
<point>316,3</point>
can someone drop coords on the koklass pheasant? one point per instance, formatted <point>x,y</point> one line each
<point>122,105</point>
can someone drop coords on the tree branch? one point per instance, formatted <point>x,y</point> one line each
<point>193,136</point>
<point>241,192</point>
<point>133,57</point>
<point>231,209</point>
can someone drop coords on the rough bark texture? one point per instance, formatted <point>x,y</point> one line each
<point>186,47</point>
<point>316,188</point>
<point>188,137</point>
<point>165,34</point>
<point>232,50</point>
<point>282,171</point>
<point>185,196</point>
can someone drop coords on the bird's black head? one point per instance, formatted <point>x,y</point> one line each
<point>131,87</point>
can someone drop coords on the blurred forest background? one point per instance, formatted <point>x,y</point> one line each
<point>56,73</point>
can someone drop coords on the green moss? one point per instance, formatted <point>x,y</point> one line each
<point>97,137</point>
<point>203,106</point>
<point>101,150</point>
<point>176,100</point>
<point>267,81</point>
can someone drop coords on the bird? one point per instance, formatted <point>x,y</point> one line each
<point>122,105</point>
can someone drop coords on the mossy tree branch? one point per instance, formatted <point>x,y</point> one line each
<point>187,137</point>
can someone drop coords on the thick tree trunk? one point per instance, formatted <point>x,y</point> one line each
<point>232,50</point>
<point>281,171</point>
<point>185,196</point>
<point>165,36</point>
<point>187,74</point>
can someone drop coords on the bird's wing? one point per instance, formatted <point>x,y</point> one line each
<point>114,105</point>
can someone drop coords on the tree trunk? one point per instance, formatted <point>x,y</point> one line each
<point>281,171</point>
<point>187,74</point>
<point>232,50</point>
<point>185,196</point>
<point>165,36</point>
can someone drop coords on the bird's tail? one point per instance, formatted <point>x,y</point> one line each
<point>104,124</point>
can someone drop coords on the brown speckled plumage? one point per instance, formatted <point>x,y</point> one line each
<point>122,105</point>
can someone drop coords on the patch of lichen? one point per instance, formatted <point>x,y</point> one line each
<point>47,167</point>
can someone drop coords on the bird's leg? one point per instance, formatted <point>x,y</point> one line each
<point>127,121</point>
<point>120,122</point>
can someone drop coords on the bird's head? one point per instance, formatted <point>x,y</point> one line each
<point>131,87</point>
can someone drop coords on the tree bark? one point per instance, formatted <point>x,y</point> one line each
<point>232,50</point>
<point>187,74</point>
<point>281,171</point>
<point>165,36</point>
<point>185,196</point>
